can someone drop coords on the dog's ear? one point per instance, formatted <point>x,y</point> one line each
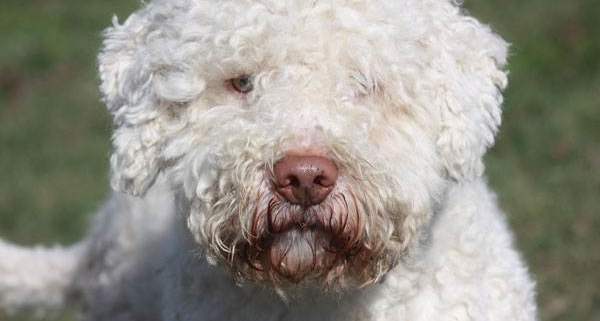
<point>126,87</point>
<point>471,70</point>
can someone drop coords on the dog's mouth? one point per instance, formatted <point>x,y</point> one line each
<point>291,243</point>
<point>301,254</point>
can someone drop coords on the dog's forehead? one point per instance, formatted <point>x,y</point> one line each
<point>284,30</point>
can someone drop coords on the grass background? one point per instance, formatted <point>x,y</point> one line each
<point>54,134</point>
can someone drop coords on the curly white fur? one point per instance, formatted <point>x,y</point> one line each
<point>403,96</point>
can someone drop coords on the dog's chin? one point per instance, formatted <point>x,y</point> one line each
<point>323,245</point>
<point>310,254</point>
<point>303,255</point>
<point>300,254</point>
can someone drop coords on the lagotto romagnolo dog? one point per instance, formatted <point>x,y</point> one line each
<point>292,160</point>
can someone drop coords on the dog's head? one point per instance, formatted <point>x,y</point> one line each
<point>308,141</point>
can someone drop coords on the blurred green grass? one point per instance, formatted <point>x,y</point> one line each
<point>54,134</point>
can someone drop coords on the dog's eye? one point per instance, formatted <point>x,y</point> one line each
<point>242,84</point>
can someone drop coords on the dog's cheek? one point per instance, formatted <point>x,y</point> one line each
<point>407,154</point>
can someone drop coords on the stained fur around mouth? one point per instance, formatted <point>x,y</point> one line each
<point>294,244</point>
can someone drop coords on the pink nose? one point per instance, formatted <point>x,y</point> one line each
<point>305,180</point>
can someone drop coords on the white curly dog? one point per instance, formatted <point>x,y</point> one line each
<point>292,160</point>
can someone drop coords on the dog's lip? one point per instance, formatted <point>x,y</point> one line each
<point>303,221</point>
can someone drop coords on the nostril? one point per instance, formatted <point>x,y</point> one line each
<point>318,180</point>
<point>293,181</point>
<point>322,181</point>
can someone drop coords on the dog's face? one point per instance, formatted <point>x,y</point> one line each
<point>309,142</point>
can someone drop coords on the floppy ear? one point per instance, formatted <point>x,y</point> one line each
<point>148,71</point>
<point>126,84</point>
<point>471,69</point>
